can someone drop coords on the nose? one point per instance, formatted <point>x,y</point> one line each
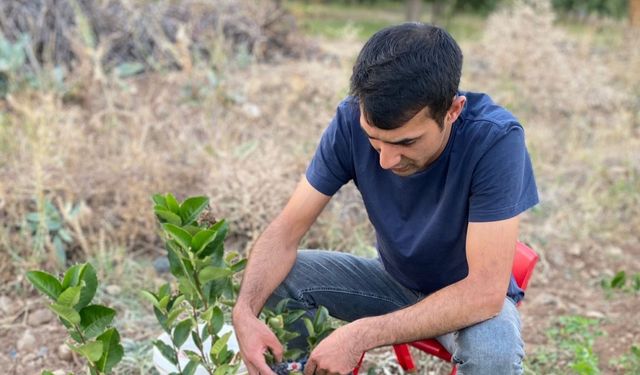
<point>389,156</point>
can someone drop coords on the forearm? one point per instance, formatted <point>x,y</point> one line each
<point>457,306</point>
<point>270,261</point>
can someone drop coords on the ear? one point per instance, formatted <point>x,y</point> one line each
<point>455,109</point>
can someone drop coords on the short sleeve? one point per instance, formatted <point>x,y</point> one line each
<point>503,184</point>
<point>332,164</point>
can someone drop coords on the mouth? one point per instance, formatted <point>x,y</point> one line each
<point>400,169</point>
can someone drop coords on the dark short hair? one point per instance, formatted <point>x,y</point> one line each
<point>403,69</point>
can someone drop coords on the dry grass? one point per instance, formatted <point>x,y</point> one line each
<point>244,139</point>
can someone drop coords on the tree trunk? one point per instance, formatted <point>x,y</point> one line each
<point>414,8</point>
<point>634,13</point>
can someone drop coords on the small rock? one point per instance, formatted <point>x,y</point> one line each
<point>557,258</point>
<point>43,351</point>
<point>614,251</point>
<point>161,264</point>
<point>29,358</point>
<point>547,299</point>
<point>113,290</point>
<point>59,372</point>
<point>5,305</point>
<point>575,250</point>
<point>27,342</point>
<point>64,352</point>
<point>40,317</point>
<point>594,314</point>
<point>251,110</point>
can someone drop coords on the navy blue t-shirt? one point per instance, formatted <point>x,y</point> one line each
<point>483,174</point>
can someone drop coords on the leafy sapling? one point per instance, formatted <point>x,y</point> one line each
<point>280,321</point>
<point>88,325</point>
<point>206,286</point>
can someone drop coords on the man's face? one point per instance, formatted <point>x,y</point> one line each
<point>413,146</point>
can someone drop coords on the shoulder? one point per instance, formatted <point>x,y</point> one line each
<point>481,108</point>
<point>482,118</point>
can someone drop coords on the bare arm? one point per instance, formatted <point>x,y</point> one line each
<point>478,297</point>
<point>270,260</point>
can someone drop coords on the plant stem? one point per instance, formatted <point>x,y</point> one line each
<point>84,341</point>
<point>205,360</point>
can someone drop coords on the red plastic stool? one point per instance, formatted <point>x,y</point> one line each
<point>524,262</point>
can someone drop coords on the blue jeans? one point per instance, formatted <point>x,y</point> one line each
<point>352,287</point>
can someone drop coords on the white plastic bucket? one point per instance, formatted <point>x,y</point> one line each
<point>165,367</point>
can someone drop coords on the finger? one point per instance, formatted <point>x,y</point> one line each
<point>276,349</point>
<point>310,367</point>
<point>264,369</point>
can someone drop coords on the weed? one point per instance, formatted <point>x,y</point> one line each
<point>629,363</point>
<point>574,337</point>
<point>48,228</point>
<point>620,282</point>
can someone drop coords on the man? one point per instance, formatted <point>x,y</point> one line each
<point>444,176</point>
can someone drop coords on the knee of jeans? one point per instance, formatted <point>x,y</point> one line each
<point>496,349</point>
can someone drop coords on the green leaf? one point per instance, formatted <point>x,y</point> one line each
<point>220,344</point>
<point>210,273</point>
<point>166,351</point>
<point>181,332</point>
<point>216,246</point>
<point>95,318</point>
<point>172,204</point>
<point>128,69</point>
<point>222,370</point>
<point>173,315</point>
<point>168,216</point>
<point>217,320</point>
<point>293,354</point>
<point>175,264</point>
<point>65,235</point>
<point>149,296</point>
<point>309,325</point>
<point>197,340</point>
<point>72,276</point>
<point>60,250</point>
<point>112,351</point>
<point>293,316</point>
<point>239,266</point>
<point>65,312</point>
<point>193,356</point>
<point>202,239</point>
<point>91,350</point>
<point>45,283</point>
<point>190,368</point>
<point>180,235</point>
<point>159,200</point>
<point>191,208</point>
<point>78,273</point>
<point>619,280</point>
<point>321,317</point>
<point>70,296</point>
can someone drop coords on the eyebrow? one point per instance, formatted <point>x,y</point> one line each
<point>400,142</point>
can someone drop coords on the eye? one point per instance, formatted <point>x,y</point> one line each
<point>407,143</point>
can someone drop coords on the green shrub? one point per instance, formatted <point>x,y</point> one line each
<point>205,285</point>
<point>89,325</point>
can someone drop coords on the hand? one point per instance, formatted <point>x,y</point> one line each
<point>338,353</point>
<point>255,338</point>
